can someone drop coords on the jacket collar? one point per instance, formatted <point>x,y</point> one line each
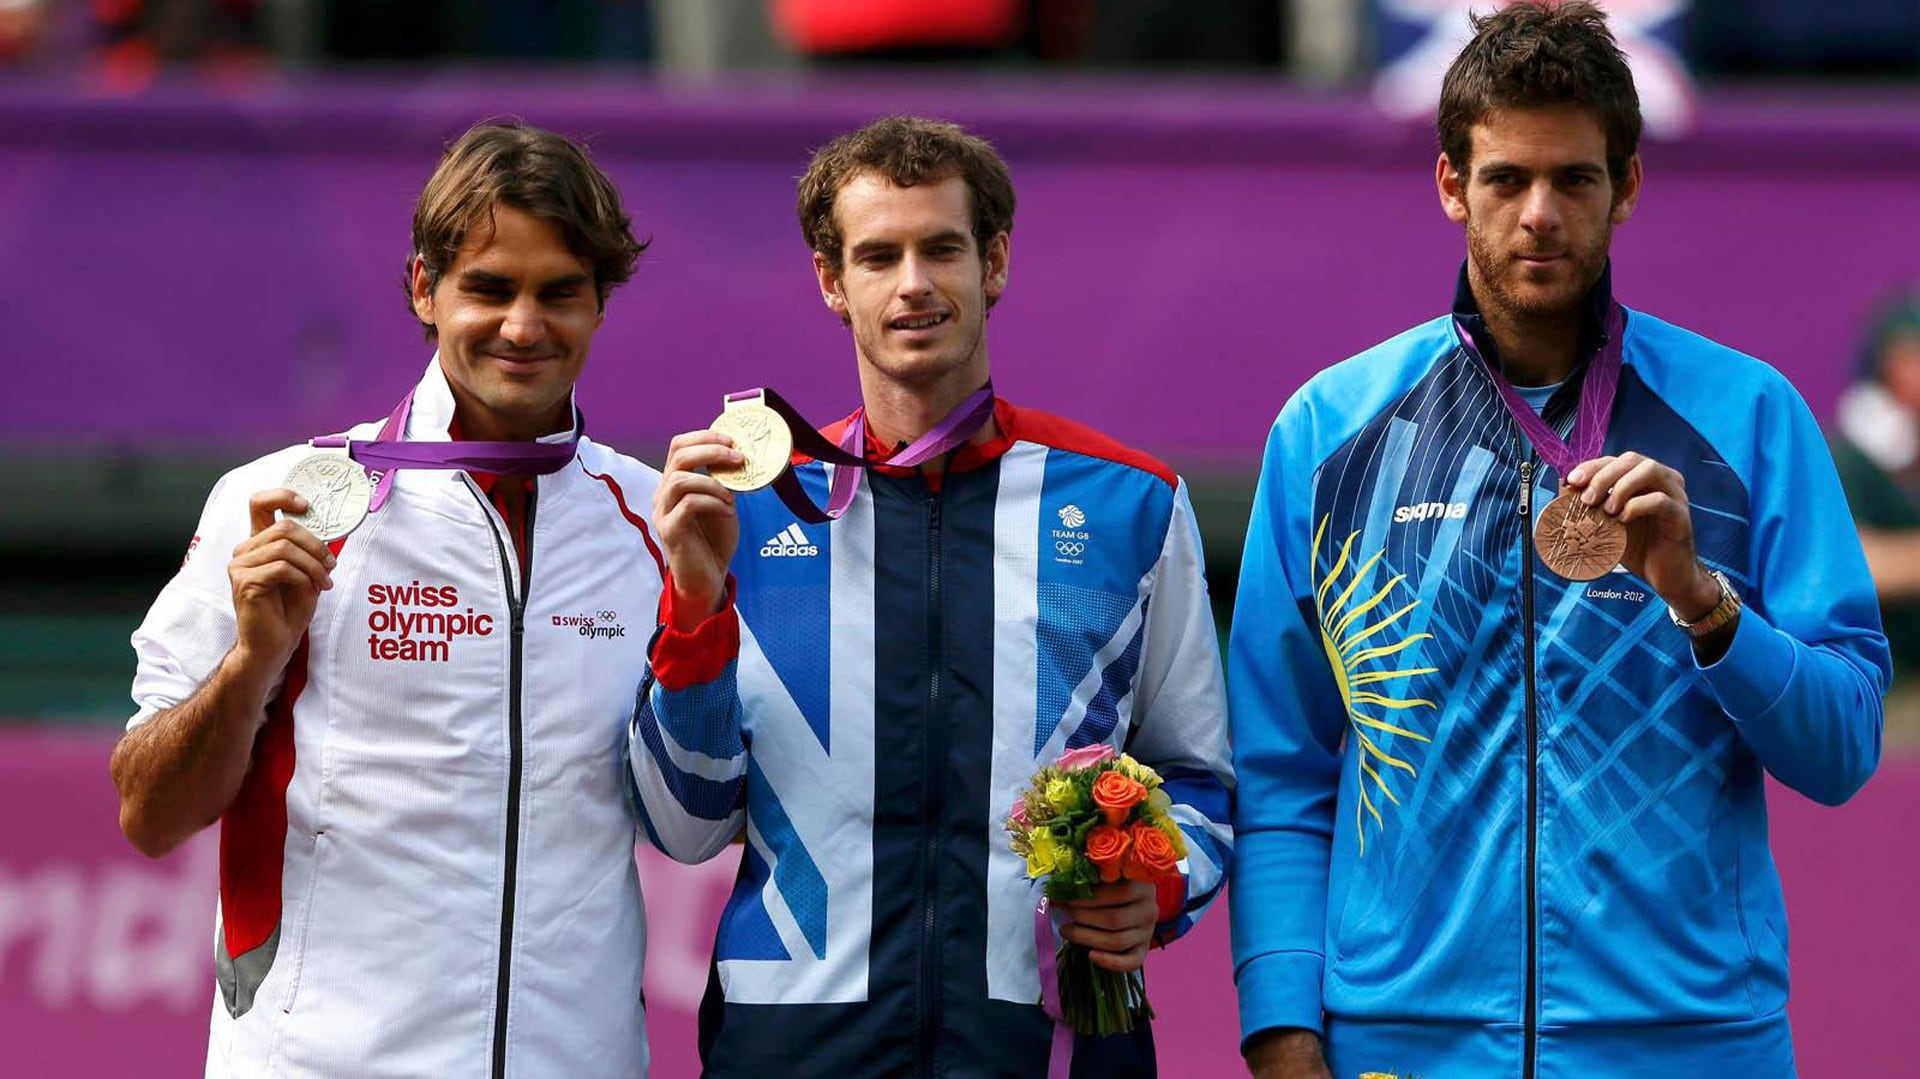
<point>1006,418</point>
<point>431,418</point>
<point>1592,331</point>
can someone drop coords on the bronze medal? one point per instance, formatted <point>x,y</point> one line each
<point>1578,541</point>
<point>762,437</point>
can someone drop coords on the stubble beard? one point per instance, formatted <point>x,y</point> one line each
<point>922,370</point>
<point>1493,266</point>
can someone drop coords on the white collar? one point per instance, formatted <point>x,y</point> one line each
<point>432,412</point>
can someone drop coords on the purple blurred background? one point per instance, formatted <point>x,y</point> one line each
<point>197,269</point>
<point>192,271</point>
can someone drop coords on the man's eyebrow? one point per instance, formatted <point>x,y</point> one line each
<point>566,281</point>
<point>481,277</point>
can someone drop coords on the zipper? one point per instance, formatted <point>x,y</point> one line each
<point>1532,1022</point>
<point>517,621</point>
<point>936,753</point>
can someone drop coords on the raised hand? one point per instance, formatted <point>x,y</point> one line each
<point>277,575</point>
<point>1651,500</point>
<point>699,528</point>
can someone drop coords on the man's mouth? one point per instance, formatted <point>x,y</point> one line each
<point>921,321</point>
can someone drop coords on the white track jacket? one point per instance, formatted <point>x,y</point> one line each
<point>429,870</point>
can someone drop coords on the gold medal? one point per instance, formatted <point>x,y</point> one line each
<point>1578,541</point>
<point>762,437</point>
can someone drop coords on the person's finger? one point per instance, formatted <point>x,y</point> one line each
<point>1124,962</point>
<point>680,486</point>
<point>1106,940</point>
<point>261,506</point>
<point>275,576</point>
<point>1602,479</point>
<point>1582,473</point>
<point>1650,507</point>
<point>1648,475</point>
<point>698,438</point>
<point>285,550</point>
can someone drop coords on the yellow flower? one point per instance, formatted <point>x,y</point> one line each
<point>1134,770</point>
<point>1174,833</point>
<point>1045,853</point>
<point>1159,803</point>
<point>1063,795</point>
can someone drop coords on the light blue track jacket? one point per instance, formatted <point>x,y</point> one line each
<point>1495,822</point>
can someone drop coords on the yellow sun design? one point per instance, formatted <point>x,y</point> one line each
<point>1343,629</point>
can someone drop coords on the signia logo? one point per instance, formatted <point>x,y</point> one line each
<point>1425,511</point>
<point>1071,516</point>
<point>790,543</point>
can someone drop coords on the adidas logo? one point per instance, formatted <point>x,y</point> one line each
<point>790,543</point>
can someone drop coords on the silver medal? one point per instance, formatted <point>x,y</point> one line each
<point>338,492</point>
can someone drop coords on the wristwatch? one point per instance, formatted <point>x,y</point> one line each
<point>1723,613</point>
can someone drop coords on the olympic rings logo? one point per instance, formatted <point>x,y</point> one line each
<point>606,616</point>
<point>1070,548</point>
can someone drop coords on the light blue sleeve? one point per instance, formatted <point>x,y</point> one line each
<point>1288,725</point>
<point>1805,676</point>
<point>685,743</point>
<point>1181,730</point>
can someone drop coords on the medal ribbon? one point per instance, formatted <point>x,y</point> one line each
<point>386,454</point>
<point>1589,432</point>
<point>952,431</point>
<point>1045,945</point>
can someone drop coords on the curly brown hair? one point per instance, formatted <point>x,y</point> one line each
<point>506,162</point>
<point>907,150</point>
<point>1535,53</point>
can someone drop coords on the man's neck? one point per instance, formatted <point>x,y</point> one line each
<point>899,414</point>
<point>1535,351</point>
<point>475,423</point>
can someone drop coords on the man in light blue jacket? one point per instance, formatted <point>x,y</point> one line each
<point>1534,596</point>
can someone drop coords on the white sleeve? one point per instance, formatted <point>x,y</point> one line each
<point>191,625</point>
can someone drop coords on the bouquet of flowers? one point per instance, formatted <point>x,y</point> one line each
<point>1092,818</point>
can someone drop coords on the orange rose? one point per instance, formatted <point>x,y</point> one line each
<point>1116,794</point>
<point>1107,847</point>
<point>1152,855</point>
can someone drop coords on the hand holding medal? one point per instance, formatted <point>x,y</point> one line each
<point>1575,538</point>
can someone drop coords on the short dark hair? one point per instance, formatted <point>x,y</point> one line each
<point>906,150</point>
<point>509,163</point>
<point>1537,53</point>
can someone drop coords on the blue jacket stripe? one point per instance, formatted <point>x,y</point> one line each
<point>795,873</point>
<point>704,798</point>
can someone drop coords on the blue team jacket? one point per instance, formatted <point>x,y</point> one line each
<point>901,675</point>
<point>1499,823</point>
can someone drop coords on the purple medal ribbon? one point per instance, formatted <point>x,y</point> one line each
<point>1589,432</point>
<point>952,431</point>
<point>1045,944</point>
<point>385,455</point>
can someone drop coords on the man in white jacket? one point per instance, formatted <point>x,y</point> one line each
<point>411,736</point>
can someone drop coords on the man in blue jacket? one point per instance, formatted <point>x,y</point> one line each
<point>1026,586</point>
<point>1534,597</point>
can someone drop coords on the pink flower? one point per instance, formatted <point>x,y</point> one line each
<point>1019,814</point>
<point>1085,757</point>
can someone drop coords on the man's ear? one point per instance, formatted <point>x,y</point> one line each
<point>1452,188</point>
<point>422,290</point>
<point>1628,196</point>
<point>998,253</point>
<point>828,276</point>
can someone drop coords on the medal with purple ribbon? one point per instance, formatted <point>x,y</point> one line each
<point>340,494</point>
<point>767,430</point>
<point>1575,540</point>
